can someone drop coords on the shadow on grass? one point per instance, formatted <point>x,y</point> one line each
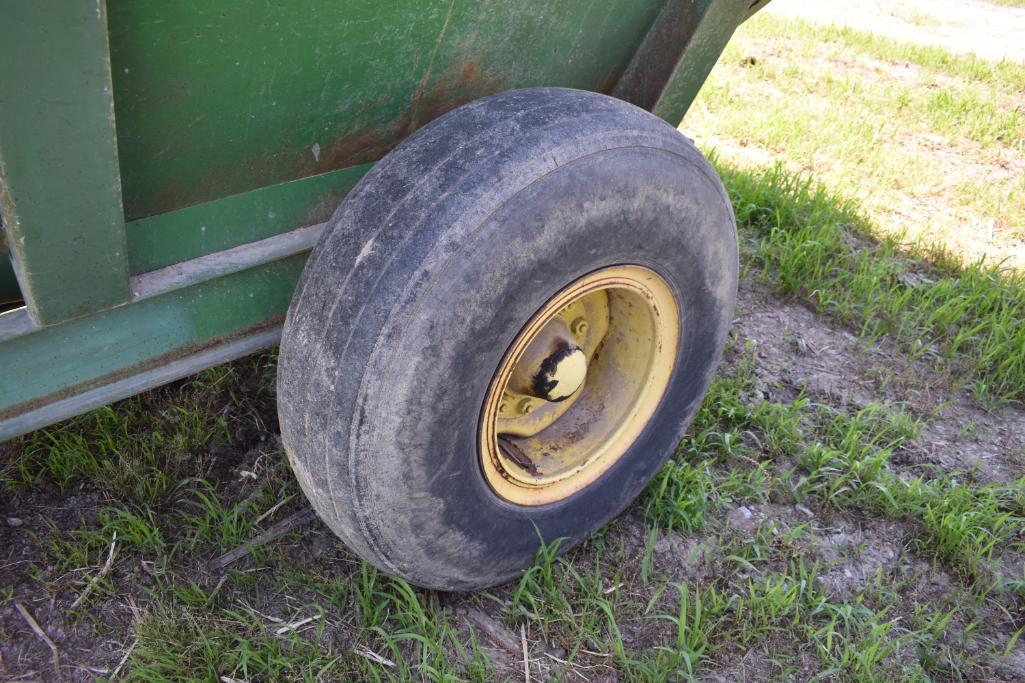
<point>807,243</point>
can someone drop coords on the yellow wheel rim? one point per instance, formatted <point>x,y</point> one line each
<point>578,385</point>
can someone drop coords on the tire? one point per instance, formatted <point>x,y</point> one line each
<point>425,276</point>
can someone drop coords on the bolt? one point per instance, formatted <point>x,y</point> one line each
<point>526,406</point>
<point>579,327</point>
<point>503,407</point>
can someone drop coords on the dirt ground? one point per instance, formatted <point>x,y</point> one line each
<point>796,348</point>
<point>963,26</point>
<point>796,351</point>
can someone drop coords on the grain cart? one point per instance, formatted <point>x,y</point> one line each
<point>500,333</point>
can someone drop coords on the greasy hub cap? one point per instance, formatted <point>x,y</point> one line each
<point>579,384</point>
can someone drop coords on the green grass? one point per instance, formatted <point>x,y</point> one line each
<point>805,243</point>
<point>142,455</point>
<point>616,605</point>
<point>841,461</point>
<point>603,608</point>
<point>931,144</point>
<point>820,249</point>
<point>184,644</point>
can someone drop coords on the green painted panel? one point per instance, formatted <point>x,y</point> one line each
<point>54,362</point>
<point>701,51</point>
<point>239,120</point>
<point>59,185</point>
<point>219,97</point>
<point>180,235</point>
<point>676,56</point>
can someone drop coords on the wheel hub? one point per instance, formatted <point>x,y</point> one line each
<point>554,366</point>
<point>561,373</point>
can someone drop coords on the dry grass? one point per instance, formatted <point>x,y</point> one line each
<point>932,145</point>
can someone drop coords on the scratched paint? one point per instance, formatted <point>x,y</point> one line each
<point>214,98</point>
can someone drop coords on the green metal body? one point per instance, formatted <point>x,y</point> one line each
<point>165,166</point>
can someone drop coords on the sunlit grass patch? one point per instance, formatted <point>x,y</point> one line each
<point>931,144</point>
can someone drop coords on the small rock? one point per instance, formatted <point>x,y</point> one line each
<point>666,545</point>
<point>556,651</point>
<point>14,522</point>
<point>741,517</point>
<point>838,538</point>
<point>827,384</point>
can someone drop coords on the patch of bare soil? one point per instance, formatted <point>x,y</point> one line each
<point>798,351</point>
<point>961,163</point>
<point>23,520</point>
<point>965,26</point>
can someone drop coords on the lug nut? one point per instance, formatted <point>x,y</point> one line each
<point>579,327</point>
<point>526,406</point>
